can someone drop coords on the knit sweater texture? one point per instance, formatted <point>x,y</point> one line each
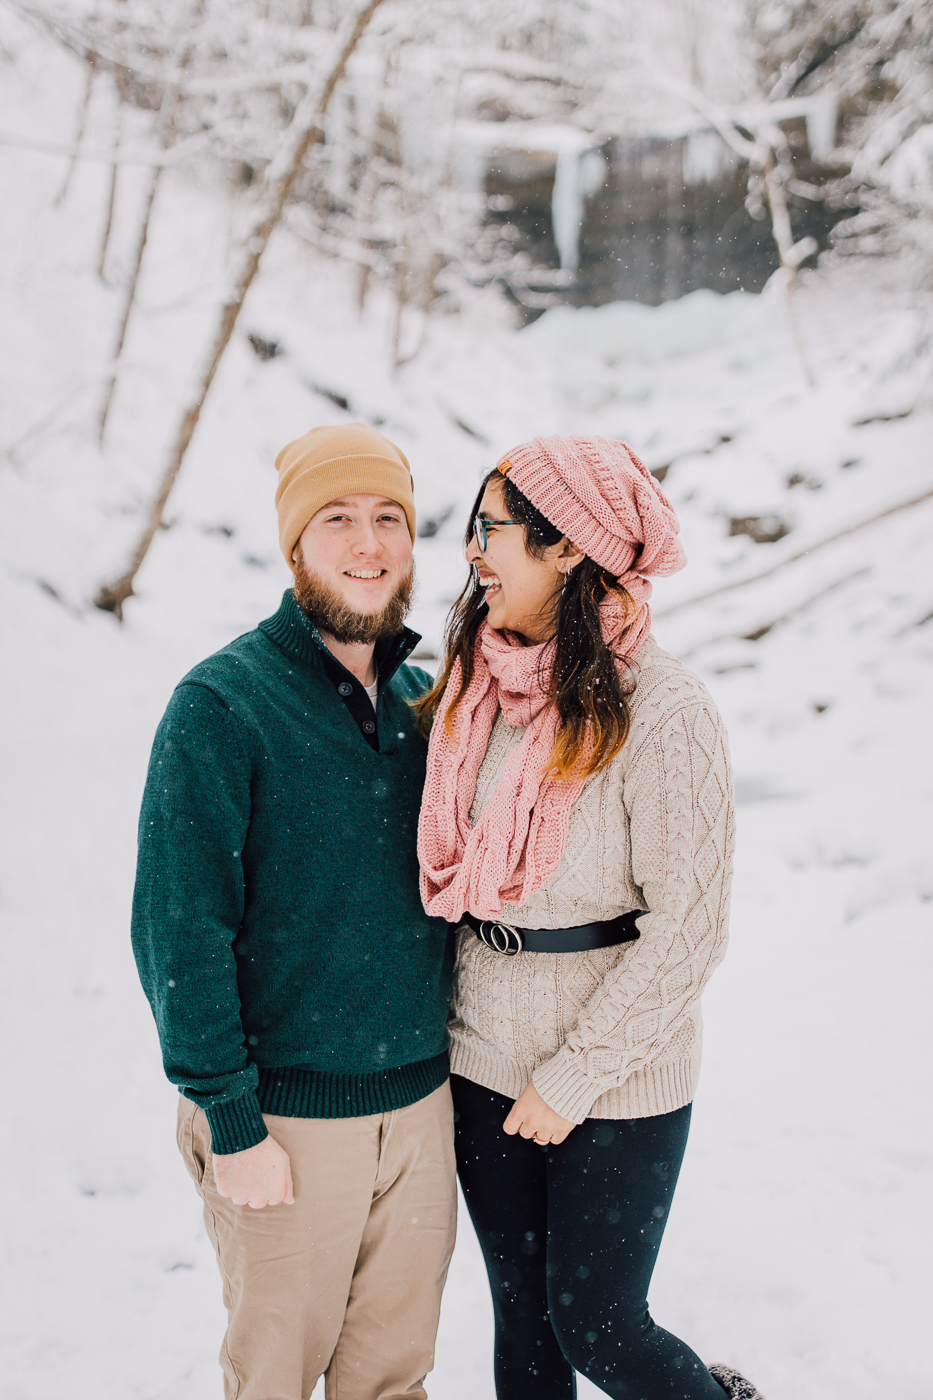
<point>277,925</point>
<point>614,1032</point>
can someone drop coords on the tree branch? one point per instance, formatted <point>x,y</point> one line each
<point>794,558</point>
<point>306,128</point>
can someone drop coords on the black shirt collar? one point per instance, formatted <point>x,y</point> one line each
<point>293,632</point>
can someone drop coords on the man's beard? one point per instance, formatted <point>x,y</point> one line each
<point>328,610</point>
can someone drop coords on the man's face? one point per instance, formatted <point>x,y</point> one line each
<point>354,567</point>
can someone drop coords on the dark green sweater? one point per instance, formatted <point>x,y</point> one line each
<point>277,925</point>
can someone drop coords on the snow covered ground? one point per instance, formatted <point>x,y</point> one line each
<point>796,1245</point>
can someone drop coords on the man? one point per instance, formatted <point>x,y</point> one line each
<point>299,989</point>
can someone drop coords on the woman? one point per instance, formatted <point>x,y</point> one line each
<point>577,825</point>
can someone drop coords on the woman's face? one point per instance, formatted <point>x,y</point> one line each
<point>521,591</point>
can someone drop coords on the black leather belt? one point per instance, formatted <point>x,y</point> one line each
<point>509,940</point>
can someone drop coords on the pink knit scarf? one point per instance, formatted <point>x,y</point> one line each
<point>519,840</point>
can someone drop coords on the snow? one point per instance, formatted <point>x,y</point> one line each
<point>819,109</point>
<point>697,321</point>
<point>910,169</point>
<point>796,1245</point>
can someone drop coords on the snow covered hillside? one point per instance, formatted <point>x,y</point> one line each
<point>796,1245</point>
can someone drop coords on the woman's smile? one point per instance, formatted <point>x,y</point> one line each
<point>520,589</point>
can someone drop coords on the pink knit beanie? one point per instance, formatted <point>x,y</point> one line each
<point>603,498</point>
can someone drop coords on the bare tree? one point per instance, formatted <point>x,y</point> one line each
<point>169,104</point>
<point>111,186</point>
<point>878,56</point>
<point>129,298</point>
<point>305,128</point>
<point>79,131</point>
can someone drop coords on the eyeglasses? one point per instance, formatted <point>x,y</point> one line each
<point>479,529</point>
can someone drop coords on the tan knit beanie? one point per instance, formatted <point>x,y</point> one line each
<point>328,463</point>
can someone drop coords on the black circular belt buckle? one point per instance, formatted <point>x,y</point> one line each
<point>501,938</point>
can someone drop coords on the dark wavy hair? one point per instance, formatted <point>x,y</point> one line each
<point>587,686</point>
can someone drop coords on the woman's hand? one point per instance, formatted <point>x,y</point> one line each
<point>531,1117</point>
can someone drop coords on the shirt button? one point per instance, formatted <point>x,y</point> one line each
<point>368,727</point>
<point>344,688</point>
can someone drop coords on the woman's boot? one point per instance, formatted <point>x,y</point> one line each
<point>734,1384</point>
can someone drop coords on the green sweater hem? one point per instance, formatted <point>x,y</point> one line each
<point>295,1092</point>
<point>311,1093</point>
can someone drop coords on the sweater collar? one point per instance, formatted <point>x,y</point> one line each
<point>293,632</point>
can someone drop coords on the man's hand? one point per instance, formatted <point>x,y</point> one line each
<point>258,1176</point>
<point>531,1117</point>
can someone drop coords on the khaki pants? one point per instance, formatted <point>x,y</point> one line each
<point>347,1281</point>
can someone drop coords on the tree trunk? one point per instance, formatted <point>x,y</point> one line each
<point>166,128</point>
<point>111,200</point>
<point>112,194</point>
<point>79,133</point>
<point>306,127</point>
<point>784,241</point>
<point>400,289</point>
<point>363,274</point>
<point>108,222</point>
<point>141,240</point>
<point>780,218</point>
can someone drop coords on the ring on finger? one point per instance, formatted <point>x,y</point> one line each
<point>542,1142</point>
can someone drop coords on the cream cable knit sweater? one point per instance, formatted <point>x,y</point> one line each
<point>613,1033</point>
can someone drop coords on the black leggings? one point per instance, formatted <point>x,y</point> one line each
<point>570,1235</point>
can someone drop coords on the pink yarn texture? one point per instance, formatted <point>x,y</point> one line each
<point>609,505</point>
<point>604,499</point>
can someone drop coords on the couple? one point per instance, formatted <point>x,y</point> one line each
<point>329,843</point>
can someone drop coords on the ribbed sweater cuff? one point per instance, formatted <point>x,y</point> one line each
<point>236,1125</point>
<point>565,1088</point>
